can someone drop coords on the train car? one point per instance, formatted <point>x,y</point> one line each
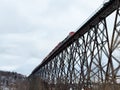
<point>58,45</point>
<point>70,35</point>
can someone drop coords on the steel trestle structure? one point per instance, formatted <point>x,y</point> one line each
<point>90,59</point>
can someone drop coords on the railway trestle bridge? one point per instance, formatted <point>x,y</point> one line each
<point>89,59</point>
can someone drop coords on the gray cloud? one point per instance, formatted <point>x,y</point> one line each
<point>29,29</point>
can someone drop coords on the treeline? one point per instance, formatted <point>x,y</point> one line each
<point>13,81</point>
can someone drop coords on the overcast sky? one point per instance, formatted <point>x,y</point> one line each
<point>30,29</point>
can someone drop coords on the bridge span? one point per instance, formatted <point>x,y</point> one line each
<point>87,60</point>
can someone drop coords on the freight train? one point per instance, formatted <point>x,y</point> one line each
<point>59,45</point>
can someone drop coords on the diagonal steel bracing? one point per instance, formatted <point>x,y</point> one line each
<point>90,58</point>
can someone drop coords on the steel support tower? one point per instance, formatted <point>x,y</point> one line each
<point>90,59</point>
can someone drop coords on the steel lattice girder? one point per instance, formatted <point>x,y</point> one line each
<point>91,59</point>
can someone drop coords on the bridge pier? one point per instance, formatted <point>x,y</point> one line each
<point>90,59</point>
